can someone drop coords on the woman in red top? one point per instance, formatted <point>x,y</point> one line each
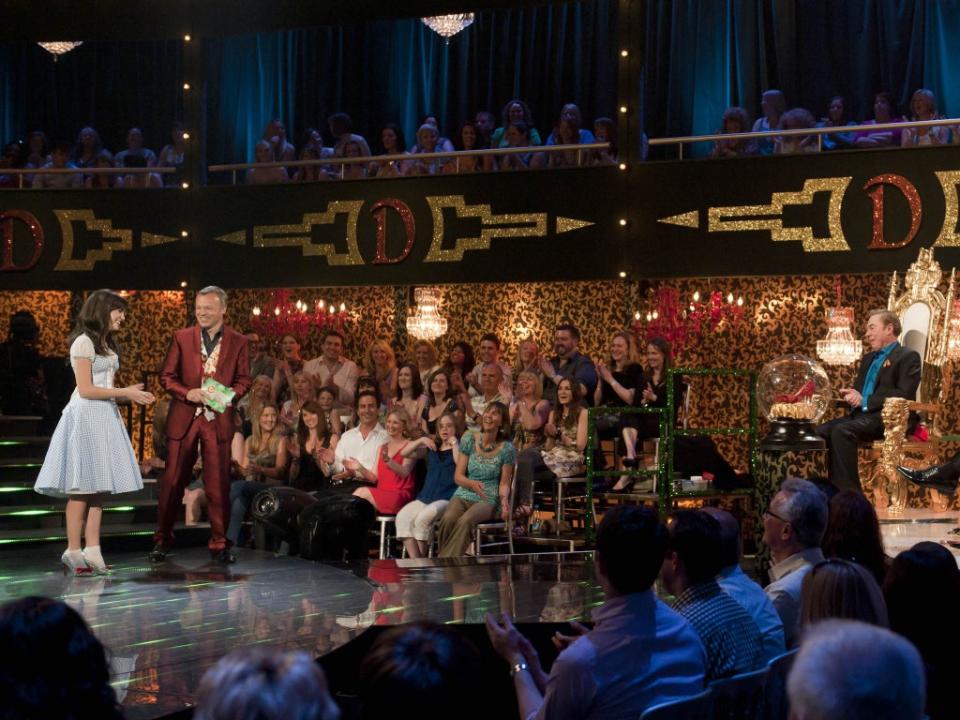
<point>392,480</point>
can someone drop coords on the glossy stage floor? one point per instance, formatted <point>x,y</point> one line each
<point>165,626</point>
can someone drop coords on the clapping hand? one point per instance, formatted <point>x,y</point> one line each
<point>352,464</point>
<point>648,394</point>
<point>327,455</point>
<point>506,392</point>
<point>561,642</point>
<point>546,367</point>
<point>604,371</point>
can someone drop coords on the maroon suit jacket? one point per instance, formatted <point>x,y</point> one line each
<point>183,371</point>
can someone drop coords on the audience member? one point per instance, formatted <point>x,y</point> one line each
<point>640,653</point>
<point>491,389</point>
<point>443,144</point>
<point>263,153</point>
<point>796,119</point>
<point>483,474</point>
<point>853,533</point>
<point>332,368</point>
<point>617,387</point>
<point>748,594</point>
<point>734,121</point>
<point>772,105</point>
<point>414,523</point>
<point>12,158</point>
<point>139,180</point>
<point>529,413</point>
<point>392,143</point>
<point>571,114</point>
<point>441,399</point>
<point>251,403</point>
<point>923,105</point>
<point>849,670</point>
<point>922,591</point>
<point>566,132</point>
<point>485,122</point>
<point>391,479</point>
<point>515,111</point>
<point>173,156</point>
<point>489,354</point>
<point>428,138</point>
<point>260,361</point>
<point>38,152</point>
<point>103,181</point>
<point>467,139</point>
<point>23,386</point>
<point>359,446</point>
<point>381,364</point>
<point>837,117</point>
<point>311,173</point>
<point>528,359</point>
<point>87,148</point>
<point>884,111</point>
<point>568,362</point>
<point>604,130</point>
<point>409,394</point>
<point>517,136</point>
<point>331,418</point>
<point>52,666</point>
<point>353,171</point>
<point>841,589</point>
<point>460,359</point>
<point>340,129</point>
<point>290,362</point>
<point>421,669</point>
<point>691,563</point>
<point>265,684</point>
<point>425,356</point>
<point>302,392</point>
<point>265,465</point>
<point>315,432</point>
<point>275,135</point>
<point>59,160</point>
<point>135,147</point>
<point>793,528</point>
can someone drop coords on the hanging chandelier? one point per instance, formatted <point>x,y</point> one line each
<point>684,323</point>
<point>59,48</point>
<point>426,322</point>
<point>448,25</point>
<point>281,315</point>
<point>839,347</point>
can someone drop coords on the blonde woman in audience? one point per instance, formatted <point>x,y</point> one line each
<point>380,363</point>
<point>528,412</point>
<point>303,393</point>
<point>425,356</point>
<point>409,393</point>
<point>263,153</point>
<point>392,477</point>
<point>923,105</point>
<point>249,406</point>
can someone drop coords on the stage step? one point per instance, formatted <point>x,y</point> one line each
<point>34,447</point>
<point>50,515</point>
<point>116,538</point>
<point>14,426</point>
<point>18,469</point>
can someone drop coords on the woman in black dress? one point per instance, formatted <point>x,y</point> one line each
<point>620,381</point>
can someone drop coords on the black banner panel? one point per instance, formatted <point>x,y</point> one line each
<point>826,213</point>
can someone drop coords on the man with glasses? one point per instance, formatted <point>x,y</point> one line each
<point>793,528</point>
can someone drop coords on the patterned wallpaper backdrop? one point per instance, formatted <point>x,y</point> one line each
<point>782,314</point>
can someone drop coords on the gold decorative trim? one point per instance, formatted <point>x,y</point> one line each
<point>300,235</point>
<point>948,233</point>
<point>565,224</point>
<point>152,239</point>
<point>530,225</point>
<point>235,238</point>
<point>717,217</point>
<point>66,218</point>
<point>688,219</point>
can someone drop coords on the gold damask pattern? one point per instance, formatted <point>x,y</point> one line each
<point>51,308</point>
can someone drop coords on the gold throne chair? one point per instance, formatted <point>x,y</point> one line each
<point>924,313</point>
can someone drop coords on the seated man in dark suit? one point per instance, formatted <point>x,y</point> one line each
<point>890,370</point>
<point>942,478</point>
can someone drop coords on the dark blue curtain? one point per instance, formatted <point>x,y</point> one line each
<point>399,71</point>
<point>702,56</point>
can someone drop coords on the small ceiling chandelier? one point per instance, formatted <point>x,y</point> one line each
<point>59,48</point>
<point>839,347</point>
<point>448,25</point>
<point>426,322</point>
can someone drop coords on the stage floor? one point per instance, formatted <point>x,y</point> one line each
<point>165,626</point>
<point>903,530</point>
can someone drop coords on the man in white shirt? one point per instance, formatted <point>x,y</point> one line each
<point>492,389</point>
<point>361,443</point>
<point>793,528</point>
<point>748,594</point>
<point>332,369</point>
<point>640,652</point>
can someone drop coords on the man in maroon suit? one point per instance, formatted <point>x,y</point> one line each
<point>209,349</point>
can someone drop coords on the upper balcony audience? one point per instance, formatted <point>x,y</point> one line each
<point>884,111</point>
<point>515,111</point>
<point>837,117</point>
<point>264,153</point>
<point>923,106</point>
<point>796,119</point>
<point>773,105</point>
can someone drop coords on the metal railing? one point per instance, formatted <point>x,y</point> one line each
<point>583,151</point>
<point>21,172</point>
<point>681,140</point>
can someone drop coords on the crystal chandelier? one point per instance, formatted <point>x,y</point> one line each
<point>426,322</point>
<point>448,25</point>
<point>839,347</point>
<point>59,48</point>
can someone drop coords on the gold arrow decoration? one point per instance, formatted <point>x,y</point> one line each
<point>688,219</point>
<point>565,224</point>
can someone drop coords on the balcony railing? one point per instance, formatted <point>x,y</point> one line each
<point>20,173</point>
<point>682,140</point>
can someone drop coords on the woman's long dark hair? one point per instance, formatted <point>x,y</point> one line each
<point>663,346</point>
<point>570,413</point>
<point>303,432</point>
<point>468,359</point>
<point>416,387</point>
<point>853,533</point>
<point>94,321</point>
<point>52,665</point>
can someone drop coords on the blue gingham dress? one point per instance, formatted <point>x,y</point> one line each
<point>90,450</point>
